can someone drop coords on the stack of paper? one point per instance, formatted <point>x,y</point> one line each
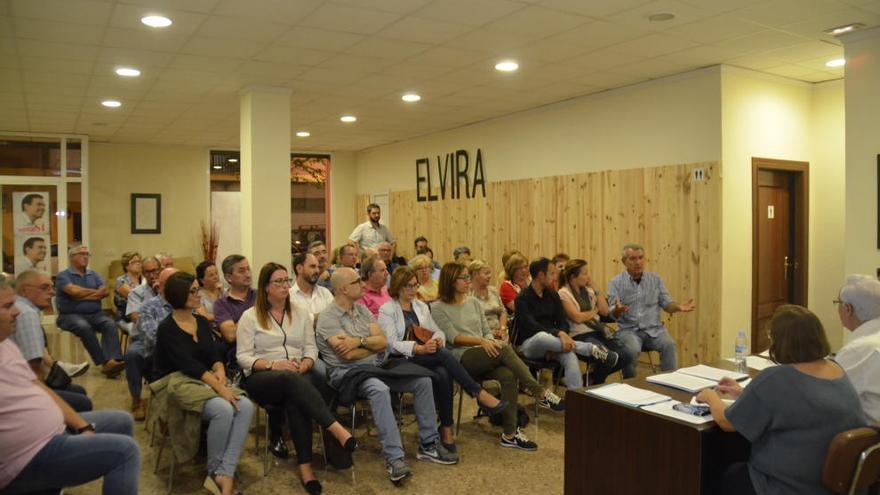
<point>628,395</point>
<point>710,373</point>
<point>682,381</point>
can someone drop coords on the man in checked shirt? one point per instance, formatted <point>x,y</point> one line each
<point>635,299</point>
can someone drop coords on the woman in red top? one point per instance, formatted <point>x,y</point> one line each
<point>517,270</point>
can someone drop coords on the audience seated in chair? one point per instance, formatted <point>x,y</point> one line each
<point>516,271</point>
<point>34,294</point>
<point>186,354</point>
<point>79,294</point>
<point>318,249</point>
<point>858,307</point>
<point>493,308</point>
<point>354,347</point>
<point>142,293</point>
<point>126,283</point>
<point>636,298</point>
<point>400,320</point>
<point>542,327</point>
<point>277,351</point>
<point>427,290</point>
<point>306,290</point>
<point>210,288</point>
<point>461,318</point>
<point>45,445</point>
<point>375,275</point>
<point>790,412</point>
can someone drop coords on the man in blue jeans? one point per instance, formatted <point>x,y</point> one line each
<point>635,298</point>
<point>46,446</point>
<point>541,326</point>
<point>79,294</point>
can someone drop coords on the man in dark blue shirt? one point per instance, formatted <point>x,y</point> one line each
<point>79,294</point>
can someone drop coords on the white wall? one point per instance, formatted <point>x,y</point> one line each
<point>343,191</point>
<point>667,121</point>
<point>862,51</point>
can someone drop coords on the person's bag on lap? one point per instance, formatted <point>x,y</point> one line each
<point>419,334</point>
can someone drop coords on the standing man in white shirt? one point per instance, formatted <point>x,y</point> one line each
<point>369,234</point>
<point>859,309</point>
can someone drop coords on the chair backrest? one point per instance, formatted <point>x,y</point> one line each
<point>852,461</point>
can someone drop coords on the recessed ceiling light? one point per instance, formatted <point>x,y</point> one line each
<point>844,29</point>
<point>111,103</point>
<point>232,160</point>
<point>348,118</point>
<point>127,72</point>
<point>506,66</point>
<point>661,16</point>
<point>218,167</point>
<point>156,21</point>
<point>410,97</point>
<point>303,133</point>
<point>837,62</point>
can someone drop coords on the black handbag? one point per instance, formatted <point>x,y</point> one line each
<point>57,379</point>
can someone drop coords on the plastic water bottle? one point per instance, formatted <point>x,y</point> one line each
<point>740,353</point>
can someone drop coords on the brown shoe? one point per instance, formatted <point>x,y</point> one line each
<point>137,409</point>
<point>112,368</point>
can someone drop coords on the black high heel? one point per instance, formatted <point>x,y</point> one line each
<point>312,487</point>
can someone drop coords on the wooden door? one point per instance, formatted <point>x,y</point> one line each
<point>779,244</point>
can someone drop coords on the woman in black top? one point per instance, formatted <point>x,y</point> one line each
<point>184,343</point>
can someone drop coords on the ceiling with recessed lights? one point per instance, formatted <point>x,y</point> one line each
<point>359,57</point>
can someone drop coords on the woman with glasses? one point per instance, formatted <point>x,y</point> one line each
<point>423,267</point>
<point>278,354</point>
<point>184,343</point>
<point>461,318</point>
<point>789,412</point>
<point>411,332</point>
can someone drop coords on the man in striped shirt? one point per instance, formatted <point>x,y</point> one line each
<point>635,299</point>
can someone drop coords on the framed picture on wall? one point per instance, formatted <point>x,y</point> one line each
<point>146,213</point>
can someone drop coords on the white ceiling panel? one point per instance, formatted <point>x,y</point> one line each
<point>350,19</point>
<point>653,45</point>
<point>202,6</point>
<point>38,29</point>
<point>536,22</point>
<point>85,12</point>
<point>222,47</point>
<point>385,48</point>
<point>424,30</point>
<point>71,51</point>
<point>241,28</point>
<point>284,11</point>
<point>716,28</point>
<point>395,6</point>
<point>778,12</point>
<point>594,8</point>
<point>138,39</point>
<point>317,39</point>
<point>470,12</point>
<point>292,55</point>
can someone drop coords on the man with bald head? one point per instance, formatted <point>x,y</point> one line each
<point>79,294</point>
<point>143,342</point>
<point>353,347</point>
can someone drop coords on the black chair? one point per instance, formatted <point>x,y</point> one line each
<point>536,366</point>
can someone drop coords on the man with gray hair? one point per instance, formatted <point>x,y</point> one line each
<point>635,298</point>
<point>165,260</point>
<point>858,306</point>
<point>79,294</point>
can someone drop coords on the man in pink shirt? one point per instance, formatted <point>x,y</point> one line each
<point>44,444</point>
<point>375,273</point>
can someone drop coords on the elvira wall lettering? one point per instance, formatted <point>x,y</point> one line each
<point>451,175</point>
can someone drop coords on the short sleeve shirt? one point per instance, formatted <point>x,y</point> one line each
<point>368,236</point>
<point>69,305</point>
<point>356,323</point>
<point>228,308</point>
<point>28,335</point>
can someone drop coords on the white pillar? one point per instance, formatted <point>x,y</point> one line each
<point>862,94</point>
<point>265,176</point>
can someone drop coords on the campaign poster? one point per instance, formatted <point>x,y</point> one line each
<point>32,253</point>
<point>30,213</point>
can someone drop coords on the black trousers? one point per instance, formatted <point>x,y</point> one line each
<point>298,397</point>
<point>735,480</point>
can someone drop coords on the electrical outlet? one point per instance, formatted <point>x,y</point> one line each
<point>699,174</point>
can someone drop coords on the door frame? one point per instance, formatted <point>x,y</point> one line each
<point>800,225</point>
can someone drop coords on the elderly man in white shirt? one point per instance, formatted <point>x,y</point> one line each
<point>859,309</point>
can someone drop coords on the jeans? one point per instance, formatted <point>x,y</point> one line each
<point>536,346</point>
<point>227,431</point>
<point>86,326</point>
<point>378,392</point>
<point>136,363</point>
<point>296,398</point>
<point>602,369</point>
<point>634,341</point>
<point>510,371</point>
<point>76,397</point>
<point>447,368</point>
<point>71,460</point>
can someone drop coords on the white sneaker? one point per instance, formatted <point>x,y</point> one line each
<point>73,370</point>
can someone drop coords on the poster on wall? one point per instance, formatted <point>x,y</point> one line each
<point>31,213</point>
<point>31,253</point>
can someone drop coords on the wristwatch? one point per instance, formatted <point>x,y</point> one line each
<point>363,342</point>
<point>89,427</point>
<point>269,364</point>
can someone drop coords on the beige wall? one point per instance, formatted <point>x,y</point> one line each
<point>178,173</point>
<point>670,120</point>
<point>862,51</point>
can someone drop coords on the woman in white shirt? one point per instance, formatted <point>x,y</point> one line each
<point>401,319</point>
<point>277,352</point>
<point>583,306</point>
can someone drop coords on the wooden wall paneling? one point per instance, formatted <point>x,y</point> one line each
<point>591,216</point>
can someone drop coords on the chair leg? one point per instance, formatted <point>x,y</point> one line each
<point>460,402</point>
<point>257,430</point>
<point>266,460</point>
<point>171,474</point>
<point>323,445</point>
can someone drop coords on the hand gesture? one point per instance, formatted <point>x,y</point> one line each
<point>491,347</point>
<point>687,307</point>
<point>729,386</point>
<point>229,395</point>
<point>619,307</point>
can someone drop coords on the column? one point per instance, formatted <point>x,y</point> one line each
<point>265,176</point>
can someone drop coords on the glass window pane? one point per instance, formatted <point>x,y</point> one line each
<point>30,228</point>
<point>74,213</point>
<point>23,156</point>
<point>74,158</point>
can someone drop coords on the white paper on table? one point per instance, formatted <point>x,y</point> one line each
<point>757,362</point>
<point>725,401</point>
<point>665,408</point>
<point>628,395</point>
<point>710,373</point>
<point>682,381</point>
<point>765,354</point>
